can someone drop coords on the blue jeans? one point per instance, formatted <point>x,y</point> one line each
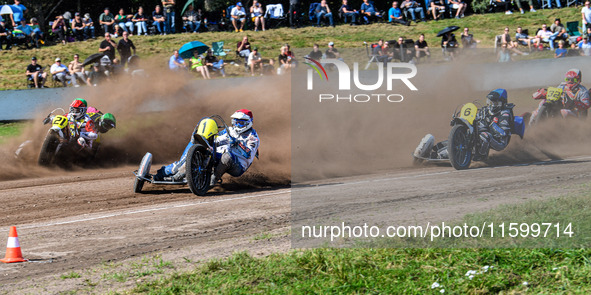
<point>126,26</point>
<point>321,14</point>
<point>218,66</point>
<point>161,27</point>
<point>141,28</point>
<point>416,9</point>
<point>353,16</point>
<point>193,26</point>
<point>170,22</point>
<point>553,37</point>
<point>89,32</point>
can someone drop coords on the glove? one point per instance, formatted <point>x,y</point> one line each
<point>82,142</point>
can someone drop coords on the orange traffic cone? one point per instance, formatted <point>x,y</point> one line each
<point>13,248</point>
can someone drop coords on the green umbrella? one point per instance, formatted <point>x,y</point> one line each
<point>186,5</point>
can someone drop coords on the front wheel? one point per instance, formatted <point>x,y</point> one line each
<point>198,169</point>
<point>459,149</point>
<point>49,149</point>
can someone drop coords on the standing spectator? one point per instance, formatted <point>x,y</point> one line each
<point>170,14</point>
<point>243,49</point>
<point>586,13</point>
<point>197,65</point>
<point>421,48</point>
<point>59,28</point>
<point>531,6</point>
<point>323,12</point>
<point>212,62</point>
<point>107,47</point>
<point>255,61</point>
<point>395,15</point>
<point>294,9</point>
<point>36,74</point>
<point>315,54</point>
<point>558,31</point>
<point>77,71</point>
<point>332,52</point>
<point>560,51</point>
<point>19,11</point>
<point>369,11</point>
<point>106,20</point>
<point>414,7</point>
<point>124,21</point>
<point>124,47</point>
<point>78,27</point>
<point>468,40</point>
<point>88,26</point>
<point>4,35</point>
<point>256,11</point>
<point>192,19</point>
<point>505,4</point>
<point>543,35</point>
<point>159,20</point>
<point>460,7</point>
<point>347,11</point>
<point>140,20</point>
<point>37,33</point>
<point>97,76</point>
<point>523,38</point>
<point>60,72</point>
<point>238,14</point>
<point>176,62</point>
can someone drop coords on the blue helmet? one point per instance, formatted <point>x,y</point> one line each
<point>497,98</point>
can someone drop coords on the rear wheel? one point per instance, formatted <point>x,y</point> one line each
<point>48,149</point>
<point>198,171</point>
<point>458,148</point>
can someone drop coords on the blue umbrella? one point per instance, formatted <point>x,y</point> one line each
<point>186,50</point>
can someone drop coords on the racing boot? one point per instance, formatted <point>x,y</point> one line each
<point>160,174</point>
<point>424,147</point>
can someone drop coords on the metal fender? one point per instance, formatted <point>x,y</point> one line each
<point>145,165</point>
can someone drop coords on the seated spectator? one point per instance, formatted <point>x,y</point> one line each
<point>531,6</point>
<point>505,4</point>
<point>558,31</point>
<point>511,45</point>
<point>269,69</point>
<point>107,20</point>
<point>504,55</point>
<point>323,12</point>
<point>159,20</point>
<point>59,28</point>
<point>27,30</point>
<point>543,35</point>
<point>382,52</point>
<point>468,40</point>
<point>213,64</point>
<point>450,44</point>
<point>60,72</point>
<point>96,76</point>
<point>140,20</point>
<point>77,71</point>
<point>108,46</point>
<point>585,47</point>
<point>176,62</point>
<point>315,54</point>
<point>255,61</point>
<point>35,73</point>
<point>368,11</point>
<point>560,51</point>
<point>88,26</point>
<point>414,8</point>
<point>395,15</point>
<point>332,52</point>
<point>257,13</point>
<point>401,51</point>
<point>243,49</point>
<point>460,7</point>
<point>285,61</point>
<point>421,48</point>
<point>238,14</point>
<point>38,36</point>
<point>124,48</point>
<point>198,65</point>
<point>587,33</point>
<point>437,9</point>
<point>124,21</point>
<point>192,19</point>
<point>78,27</point>
<point>4,35</point>
<point>347,11</point>
<point>294,61</point>
<point>523,38</point>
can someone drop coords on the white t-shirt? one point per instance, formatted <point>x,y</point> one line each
<point>238,11</point>
<point>56,67</point>
<point>587,13</point>
<point>252,56</point>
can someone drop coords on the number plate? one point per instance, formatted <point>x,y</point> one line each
<point>468,112</point>
<point>553,94</point>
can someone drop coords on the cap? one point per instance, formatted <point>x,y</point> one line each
<point>77,14</point>
<point>557,19</point>
<point>106,8</point>
<point>256,48</point>
<point>330,43</point>
<point>239,4</point>
<point>34,58</point>
<point>58,59</point>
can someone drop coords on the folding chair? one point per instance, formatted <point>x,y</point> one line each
<point>312,12</point>
<point>274,15</point>
<point>498,41</point>
<point>573,30</point>
<point>217,49</point>
<point>371,57</point>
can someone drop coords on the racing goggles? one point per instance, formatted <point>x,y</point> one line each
<point>573,80</point>
<point>75,110</point>
<point>241,123</point>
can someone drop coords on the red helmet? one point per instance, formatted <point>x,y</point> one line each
<point>78,108</point>
<point>242,120</point>
<point>573,77</point>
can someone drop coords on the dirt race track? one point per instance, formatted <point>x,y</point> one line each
<point>61,231</point>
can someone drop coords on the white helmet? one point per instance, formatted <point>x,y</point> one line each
<point>242,120</point>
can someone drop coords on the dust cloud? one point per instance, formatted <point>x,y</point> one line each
<point>158,112</point>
